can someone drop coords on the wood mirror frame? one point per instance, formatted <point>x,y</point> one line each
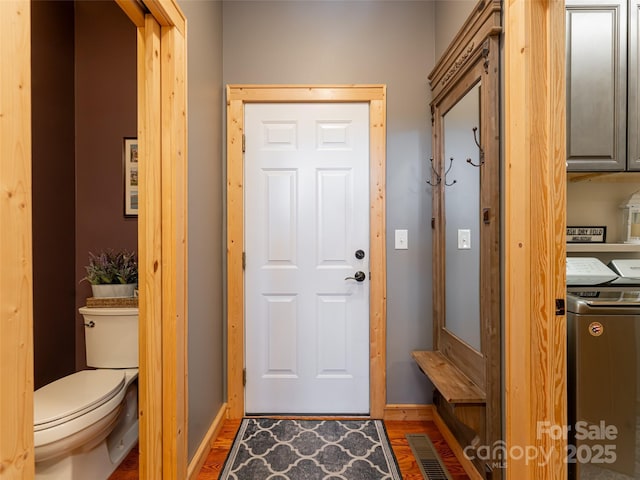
<point>467,381</point>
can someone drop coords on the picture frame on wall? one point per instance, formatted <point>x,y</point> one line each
<point>130,177</point>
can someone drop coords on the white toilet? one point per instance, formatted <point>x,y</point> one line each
<point>87,422</point>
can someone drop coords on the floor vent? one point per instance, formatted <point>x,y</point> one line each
<point>428,459</point>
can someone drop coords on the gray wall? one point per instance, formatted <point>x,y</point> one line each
<point>347,42</point>
<point>206,372</point>
<point>450,16</point>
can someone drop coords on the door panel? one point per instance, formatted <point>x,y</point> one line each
<point>306,213</point>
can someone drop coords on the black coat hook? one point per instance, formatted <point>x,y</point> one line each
<point>448,170</point>
<point>438,177</point>
<point>475,139</point>
<point>433,172</point>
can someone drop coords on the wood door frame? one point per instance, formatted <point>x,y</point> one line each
<point>535,226</point>
<point>16,257</point>
<point>162,240</point>
<point>237,96</point>
<point>162,236</point>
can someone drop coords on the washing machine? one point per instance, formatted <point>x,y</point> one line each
<point>603,373</point>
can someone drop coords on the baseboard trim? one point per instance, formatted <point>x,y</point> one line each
<point>408,412</point>
<point>196,463</point>
<point>455,447</point>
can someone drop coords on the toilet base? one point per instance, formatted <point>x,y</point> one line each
<point>100,461</point>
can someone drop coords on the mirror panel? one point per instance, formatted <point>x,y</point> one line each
<point>462,213</point>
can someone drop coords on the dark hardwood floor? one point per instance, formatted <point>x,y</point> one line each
<point>396,430</point>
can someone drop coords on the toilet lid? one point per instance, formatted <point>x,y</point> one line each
<point>73,395</point>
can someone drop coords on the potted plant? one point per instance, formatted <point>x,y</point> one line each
<point>112,274</point>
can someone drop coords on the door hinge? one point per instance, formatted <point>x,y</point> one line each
<point>244,377</point>
<point>433,222</point>
<point>244,260</point>
<point>243,142</point>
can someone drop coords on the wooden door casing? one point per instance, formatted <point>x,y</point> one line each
<point>237,96</point>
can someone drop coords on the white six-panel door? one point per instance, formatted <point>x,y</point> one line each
<point>306,215</point>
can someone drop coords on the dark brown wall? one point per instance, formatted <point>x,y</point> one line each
<point>106,112</point>
<point>53,190</point>
<point>84,103</point>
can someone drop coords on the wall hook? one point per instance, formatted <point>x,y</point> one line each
<point>475,139</point>
<point>448,170</point>
<point>438,177</point>
<point>433,171</point>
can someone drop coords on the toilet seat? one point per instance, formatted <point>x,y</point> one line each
<point>75,395</point>
<point>99,409</point>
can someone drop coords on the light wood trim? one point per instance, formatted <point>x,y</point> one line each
<point>237,96</point>
<point>518,222</point>
<point>604,177</point>
<point>535,181</point>
<point>167,13</point>
<point>200,456</point>
<point>308,93</point>
<point>133,10</point>
<point>408,413</point>
<point>162,231</point>
<point>455,447</point>
<point>235,246</point>
<point>150,268</point>
<point>16,277</point>
<point>174,253</point>
<point>453,385</point>
<point>377,246</point>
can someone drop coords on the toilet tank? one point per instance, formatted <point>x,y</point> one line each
<point>111,337</point>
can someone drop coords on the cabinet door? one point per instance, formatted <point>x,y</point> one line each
<point>633,161</point>
<point>596,84</point>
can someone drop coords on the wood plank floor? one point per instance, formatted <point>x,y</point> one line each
<point>396,430</point>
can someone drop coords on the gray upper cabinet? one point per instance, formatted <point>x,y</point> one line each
<point>603,85</point>
<point>596,37</point>
<point>633,161</point>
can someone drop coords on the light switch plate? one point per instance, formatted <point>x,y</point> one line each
<point>464,239</point>
<point>402,239</point>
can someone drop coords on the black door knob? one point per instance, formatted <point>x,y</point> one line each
<point>358,277</point>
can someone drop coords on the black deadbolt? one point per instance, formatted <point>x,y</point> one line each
<point>359,254</point>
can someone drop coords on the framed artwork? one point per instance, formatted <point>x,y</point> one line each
<point>130,177</point>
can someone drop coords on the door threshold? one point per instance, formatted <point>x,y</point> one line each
<point>309,416</point>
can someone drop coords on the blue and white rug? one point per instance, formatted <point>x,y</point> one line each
<point>279,449</point>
